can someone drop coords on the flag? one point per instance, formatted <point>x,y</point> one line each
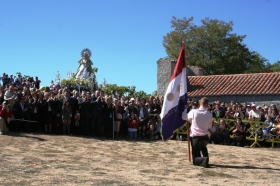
<point>175,98</point>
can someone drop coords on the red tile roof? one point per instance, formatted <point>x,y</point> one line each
<point>234,84</point>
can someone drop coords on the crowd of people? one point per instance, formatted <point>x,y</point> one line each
<point>56,110</point>
<point>220,131</point>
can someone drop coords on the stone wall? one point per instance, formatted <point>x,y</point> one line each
<point>165,68</point>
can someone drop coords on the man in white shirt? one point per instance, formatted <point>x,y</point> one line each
<point>254,114</point>
<point>201,121</point>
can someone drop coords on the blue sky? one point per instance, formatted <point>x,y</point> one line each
<point>41,37</point>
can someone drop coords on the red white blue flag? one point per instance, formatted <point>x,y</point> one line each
<point>175,98</point>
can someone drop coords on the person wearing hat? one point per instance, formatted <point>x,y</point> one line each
<point>132,107</point>
<point>254,113</point>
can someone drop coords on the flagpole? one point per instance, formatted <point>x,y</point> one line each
<point>189,146</point>
<point>188,124</point>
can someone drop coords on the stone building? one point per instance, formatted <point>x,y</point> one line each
<point>257,87</point>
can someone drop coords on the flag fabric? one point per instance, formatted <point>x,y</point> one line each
<point>175,98</point>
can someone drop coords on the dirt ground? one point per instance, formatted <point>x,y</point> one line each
<point>30,159</point>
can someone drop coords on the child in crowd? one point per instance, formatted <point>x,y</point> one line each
<point>267,126</point>
<point>158,129</point>
<point>152,133</point>
<point>132,126</point>
<point>66,116</point>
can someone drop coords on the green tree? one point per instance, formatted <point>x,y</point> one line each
<point>274,67</point>
<point>258,64</point>
<point>212,46</point>
<point>155,93</point>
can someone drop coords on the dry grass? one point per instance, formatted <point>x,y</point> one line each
<point>28,159</point>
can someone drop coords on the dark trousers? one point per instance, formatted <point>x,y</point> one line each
<point>223,138</point>
<point>96,124</point>
<point>108,127</point>
<point>199,144</point>
<point>124,128</point>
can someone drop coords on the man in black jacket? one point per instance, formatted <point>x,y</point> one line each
<point>97,105</point>
<point>21,111</point>
<point>85,111</point>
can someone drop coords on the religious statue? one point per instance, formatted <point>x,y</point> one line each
<point>85,70</point>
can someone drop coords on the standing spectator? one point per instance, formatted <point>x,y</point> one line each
<point>132,123</point>
<point>11,79</point>
<point>47,112</point>
<point>124,122</point>
<point>10,96</point>
<point>143,115</point>
<point>108,112</point>
<point>37,83</point>
<point>5,79</point>
<point>33,103</point>
<point>98,116</point>
<point>56,107</point>
<point>118,114</point>
<point>85,111</point>
<point>52,85</point>
<point>19,79</point>
<point>75,109</point>
<point>5,117</point>
<point>132,107</point>
<point>2,93</point>
<point>1,78</point>
<point>66,116</point>
<point>155,108</point>
<point>22,111</point>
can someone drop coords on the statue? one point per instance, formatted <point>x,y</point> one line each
<point>85,70</point>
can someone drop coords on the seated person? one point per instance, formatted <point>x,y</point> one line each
<point>223,133</point>
<point>238,112</point>
<point>254,114</point>
<point>213,132</point>
<point>229,113</point>
<point>267,126</point>
<point>277,126</point>
<point>239,133</point>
